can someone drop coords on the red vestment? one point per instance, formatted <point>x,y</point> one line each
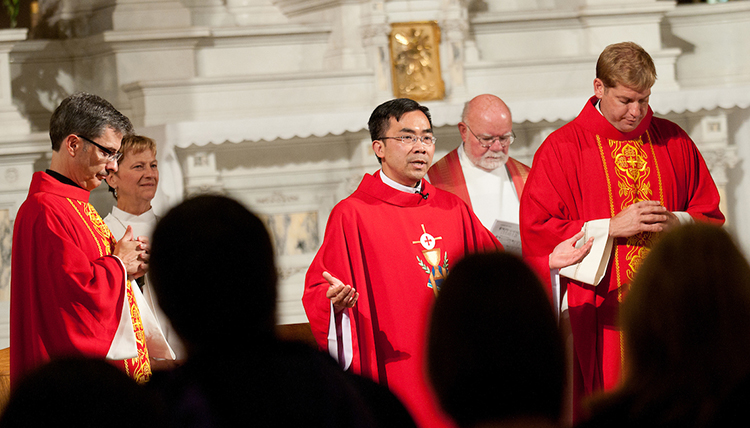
<point>394,248</point>
<point>589,170</point>
<point>67,291</point>
<point>447,174</point>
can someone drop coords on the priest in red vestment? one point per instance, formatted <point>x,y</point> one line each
<point>70,293</point>
<point>387,249</point>
<point>622,176</point>
<point>479,170</point>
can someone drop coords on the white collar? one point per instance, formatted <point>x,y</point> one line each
<point>129,218</point>
<point>398,186</point>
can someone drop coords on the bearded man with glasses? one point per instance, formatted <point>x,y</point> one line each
<point>71,293</point>
<point>387,248</point>
<point>479,171</point>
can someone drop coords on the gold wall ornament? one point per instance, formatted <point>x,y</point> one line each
<point>415,61</point>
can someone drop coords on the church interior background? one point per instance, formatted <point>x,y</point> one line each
<point>267,101</point>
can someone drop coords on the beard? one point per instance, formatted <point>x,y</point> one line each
<point>491,161</point>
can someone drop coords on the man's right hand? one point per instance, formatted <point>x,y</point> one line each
<point>341,295</point>
<point>133,254</point>
<point>643,216</point>
<point>566,253</point>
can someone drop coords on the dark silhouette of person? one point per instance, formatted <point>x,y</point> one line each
<point>686,324</point>
<point>80,392</point>
<point>212,268</point>
<point>495,356</point>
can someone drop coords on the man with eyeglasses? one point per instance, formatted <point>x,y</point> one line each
<point>71,293</point>
<point>386,250</point>
<point>622,176</point>
<point>479,170</point>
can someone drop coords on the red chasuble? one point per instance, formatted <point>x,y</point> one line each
<point>589,170</point>
<point>394,248</point>
<point>447,174</point>
<point>67,292</point>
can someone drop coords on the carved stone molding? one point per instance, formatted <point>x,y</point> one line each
<point>277,197</point>
<point>719,160</point>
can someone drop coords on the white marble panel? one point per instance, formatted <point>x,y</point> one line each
<point>6,239</point>
<point>714,39</point>
<point>159,102</point>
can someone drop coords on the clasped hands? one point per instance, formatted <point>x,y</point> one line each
<point>642,216</point>
<point>134,253</point>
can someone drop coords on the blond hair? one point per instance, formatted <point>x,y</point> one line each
<point>136,144</point>
<point>628,64</point>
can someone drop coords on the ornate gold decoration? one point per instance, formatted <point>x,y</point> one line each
<point>100,232</point>
<point>415,61</point>
<point>139,367</point>
<point>437,271</point>
<point>631,166</point>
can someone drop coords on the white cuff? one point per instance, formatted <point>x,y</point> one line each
<point>346,338</point>
<point>684,217</point>
<point>123,344</point>
<point>593,267</point>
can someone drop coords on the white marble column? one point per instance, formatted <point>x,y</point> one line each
<point>11,121</point>
<point>454,27</point>
<point>375,30</point>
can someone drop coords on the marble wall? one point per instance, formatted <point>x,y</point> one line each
<point>6,236</point>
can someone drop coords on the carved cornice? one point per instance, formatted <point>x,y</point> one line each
<point>375,34</point>
<point>277,198</point>
<point>298,7</point>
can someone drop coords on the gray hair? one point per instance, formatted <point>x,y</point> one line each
<point>87,115</point>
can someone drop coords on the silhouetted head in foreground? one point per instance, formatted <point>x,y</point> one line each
<point>686,325</point>
<point>495,353</point>
<point>212,267</point>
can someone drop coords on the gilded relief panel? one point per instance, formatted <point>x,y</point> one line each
<point>415,61</point>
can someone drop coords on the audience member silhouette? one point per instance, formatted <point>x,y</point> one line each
<point>212,268</point>
<point>495,356</point>
<point>686,325</point>
<point>80,392</point>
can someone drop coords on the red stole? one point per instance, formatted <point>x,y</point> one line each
<point>447,174</point>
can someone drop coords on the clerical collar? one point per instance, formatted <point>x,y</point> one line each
<point>62,179</point>
<point>598,106</point>
<point>399,186</point>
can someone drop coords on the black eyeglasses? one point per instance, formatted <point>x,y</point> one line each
<point>111,156</point>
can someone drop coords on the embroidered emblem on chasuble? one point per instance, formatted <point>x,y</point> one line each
<point>138,368</point>
<point>437,271</point>
<point>632,174</point>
